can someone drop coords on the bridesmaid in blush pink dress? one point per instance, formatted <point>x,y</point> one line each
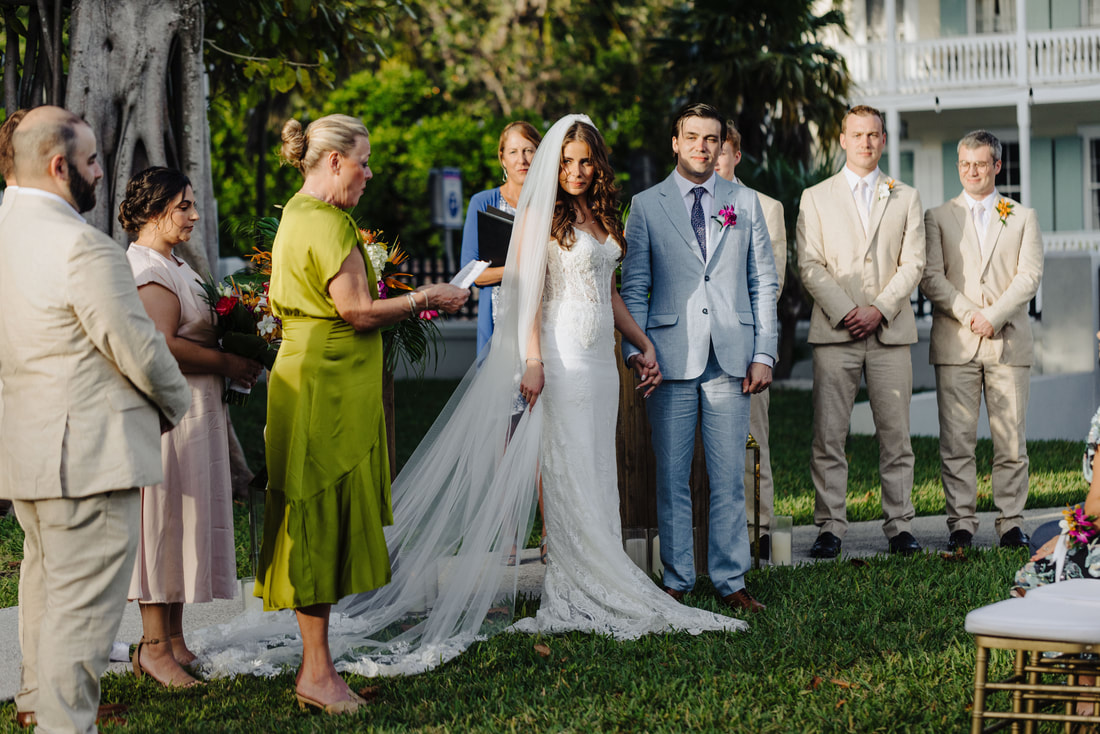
<point>186,553</point>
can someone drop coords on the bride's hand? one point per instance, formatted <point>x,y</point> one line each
<point>649,372</point>
<point>530,387</point>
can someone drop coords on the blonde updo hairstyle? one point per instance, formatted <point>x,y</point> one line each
<point>305,149</point>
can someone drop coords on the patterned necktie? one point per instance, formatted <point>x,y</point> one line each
<point>698,222</point>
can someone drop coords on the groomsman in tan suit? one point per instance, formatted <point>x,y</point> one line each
<point>861,253</point>
<point>985,260</point>
<point>89,384</point>
<point>726,167</point>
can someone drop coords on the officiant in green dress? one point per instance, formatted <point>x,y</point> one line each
<point>328,466</point>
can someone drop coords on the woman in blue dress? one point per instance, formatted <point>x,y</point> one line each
<point>515,152</point>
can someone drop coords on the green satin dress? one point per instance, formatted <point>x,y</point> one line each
<point>328,466</point>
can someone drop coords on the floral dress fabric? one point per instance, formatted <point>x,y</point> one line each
<point>1082,562</point>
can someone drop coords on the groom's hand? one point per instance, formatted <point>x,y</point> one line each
<point>648,371</point>
<point>758,379</point>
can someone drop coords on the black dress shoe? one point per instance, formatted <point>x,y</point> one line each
<point>765,547</point>
<point>960,539</point>
<point>827,545</point>
<point>904,543</point>
<point>1014,538</point>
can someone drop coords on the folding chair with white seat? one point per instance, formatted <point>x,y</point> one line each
<point>1062,620</point>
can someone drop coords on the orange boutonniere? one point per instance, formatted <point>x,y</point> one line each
<point>1004,210</point>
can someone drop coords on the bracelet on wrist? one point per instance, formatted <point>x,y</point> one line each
<point>536,359</point>
<point>412,304</point>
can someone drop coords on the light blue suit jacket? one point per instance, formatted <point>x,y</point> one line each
<point>685,304</point>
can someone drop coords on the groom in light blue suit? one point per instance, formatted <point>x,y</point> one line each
<point>700,277</point>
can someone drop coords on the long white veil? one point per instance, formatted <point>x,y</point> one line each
<point>465,498</point>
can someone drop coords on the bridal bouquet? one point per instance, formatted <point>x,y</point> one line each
<point>243,320</point>
<point>410,341</point>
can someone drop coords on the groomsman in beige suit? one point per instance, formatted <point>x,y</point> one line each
<point>89,384</point>
<point>985,260</point>
<point>726,167</point>
<point>861,246</point>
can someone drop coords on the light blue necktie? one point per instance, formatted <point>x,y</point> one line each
<point>698,222</point>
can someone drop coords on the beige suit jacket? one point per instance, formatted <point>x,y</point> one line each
<point>960,281</point>
<point>84,370</point>
<point>843,267</point>
<point>777,230</point>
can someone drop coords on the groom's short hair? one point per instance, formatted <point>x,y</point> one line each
<point>699,109</point>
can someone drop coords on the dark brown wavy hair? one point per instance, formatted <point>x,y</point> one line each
<point>603,193</point>
<point>148,195</point>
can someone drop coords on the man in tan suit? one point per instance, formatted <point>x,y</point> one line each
<point>89,384</point>
<point>985,260</point>
<point>726,167</point>
<point>861,252</point>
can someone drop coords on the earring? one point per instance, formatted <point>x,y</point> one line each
<point>504,178</point>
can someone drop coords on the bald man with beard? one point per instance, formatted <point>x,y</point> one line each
<point>89,384</point>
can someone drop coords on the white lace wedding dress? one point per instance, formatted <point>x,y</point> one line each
<point>590,584</point>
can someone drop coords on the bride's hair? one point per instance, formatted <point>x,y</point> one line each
<point>603,193</point>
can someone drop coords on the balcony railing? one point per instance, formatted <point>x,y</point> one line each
<point>976,61</point>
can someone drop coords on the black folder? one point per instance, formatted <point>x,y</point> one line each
<point>494,230</point>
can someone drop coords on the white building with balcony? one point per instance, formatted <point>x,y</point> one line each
<point>1029,72</point>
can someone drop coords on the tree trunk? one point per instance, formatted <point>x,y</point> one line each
<point>136,75</point>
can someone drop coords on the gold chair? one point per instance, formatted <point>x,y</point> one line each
<point>1055,633</point>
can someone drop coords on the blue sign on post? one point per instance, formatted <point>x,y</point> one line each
<point>446,189</point>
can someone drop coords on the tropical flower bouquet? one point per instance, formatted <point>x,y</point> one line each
<point>243,320</point>
<point>411,341</point>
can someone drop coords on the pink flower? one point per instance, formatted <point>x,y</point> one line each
<point>383,291</point>
<point>429,315</point>
<point>728,216</point>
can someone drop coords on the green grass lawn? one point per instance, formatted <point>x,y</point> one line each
<point>864,646</point>
<point>854,646</point>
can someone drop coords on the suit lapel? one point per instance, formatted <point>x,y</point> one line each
<point>842,192</point>
<point>716,231</point>
<point>673,205</point>
<point>993,233</point>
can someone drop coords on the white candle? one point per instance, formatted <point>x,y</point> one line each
<point>655,564</point>
<point>781,548</point>
<point>635,548</point>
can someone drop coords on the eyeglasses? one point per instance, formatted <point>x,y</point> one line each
<point>978,166</point>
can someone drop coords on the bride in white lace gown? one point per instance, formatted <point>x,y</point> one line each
<point>466,497</point>
<point>590,583</point>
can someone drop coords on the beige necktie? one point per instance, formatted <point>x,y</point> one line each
<point>862,205</point>
<point>979,225</point>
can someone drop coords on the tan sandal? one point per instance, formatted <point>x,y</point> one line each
<point>347,706</point>
<point>139,671</point>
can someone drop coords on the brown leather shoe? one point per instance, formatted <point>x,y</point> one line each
<point>675,594</point>
<point>742,601</point>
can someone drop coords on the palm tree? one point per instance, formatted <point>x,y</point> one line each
<point>767,63</point>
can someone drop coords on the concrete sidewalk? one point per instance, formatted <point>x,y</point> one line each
<point>863,539</point>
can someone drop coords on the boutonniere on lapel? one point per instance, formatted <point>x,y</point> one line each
<point>885,188</point>
<point>1004,210</point>
<point>727,217</point>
